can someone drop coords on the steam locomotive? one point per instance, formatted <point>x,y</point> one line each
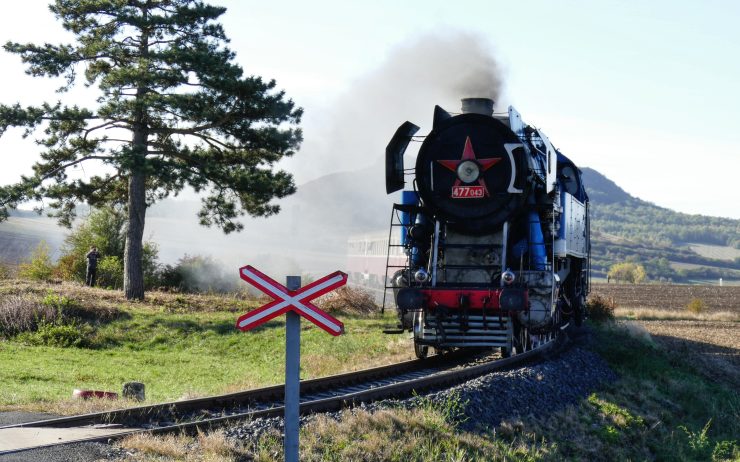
<point>494,231</point>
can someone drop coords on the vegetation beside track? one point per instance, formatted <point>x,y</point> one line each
<point>662,408</point>
<point>178,345</point>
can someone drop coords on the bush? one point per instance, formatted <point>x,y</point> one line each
<point>348,300</point>
<point>39,267</point>
<point>628,271</point>
<point>58,335</point>
<point>696,306</point>
<point>110,272</point>
<point>198,274</point>
<point>104,229</point>
<point>600,309</point>
<point>20,314</point>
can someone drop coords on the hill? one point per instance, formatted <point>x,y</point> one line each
<point>311,231</point>
<point>671,245</point>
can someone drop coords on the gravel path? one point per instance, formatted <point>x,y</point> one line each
<point>72,453</point>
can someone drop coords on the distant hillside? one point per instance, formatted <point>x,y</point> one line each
<point>603,191</point>
<point>314,224</point>
<point>23,231</point>
<point>671,245</point>
<point>616,212</point>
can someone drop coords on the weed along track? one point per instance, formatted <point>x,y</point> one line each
<point>317,395</point>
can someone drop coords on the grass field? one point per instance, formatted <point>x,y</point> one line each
<point>176,345</point>
<point>716,251</point>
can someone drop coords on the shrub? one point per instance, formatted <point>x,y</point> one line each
<point>110,272</point>
<point>696,306</point>
<point>105,229</point>
<point>600,308</point>
<point>20,314</point>
<point>58,335</point>
<point>628,271</point>
<point>39,267</point>
<point>198,274</point>
<point>349,300</point>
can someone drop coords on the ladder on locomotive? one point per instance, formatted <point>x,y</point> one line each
<point>396,249</point>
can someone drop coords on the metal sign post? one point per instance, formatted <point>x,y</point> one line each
<point>292,376</point>
<point>294,301</point>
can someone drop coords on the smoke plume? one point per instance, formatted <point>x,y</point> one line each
<point>439,68</point>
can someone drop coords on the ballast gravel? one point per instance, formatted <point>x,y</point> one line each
<point>537,389</point>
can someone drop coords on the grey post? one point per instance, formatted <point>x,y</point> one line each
<point>292,375</point>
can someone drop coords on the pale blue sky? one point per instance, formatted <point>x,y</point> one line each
<point>645,92</point>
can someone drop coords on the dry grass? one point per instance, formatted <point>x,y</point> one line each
<point>659,314</point>
<point>348,300</point>
<point>101,299</point>
<point>600,308</point>
<point>211,447</point>
<point>74,406</point>
<point>421,434</point>
<point>638,331</point>
<point>20,313</point>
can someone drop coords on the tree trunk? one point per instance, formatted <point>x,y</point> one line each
<point>133,274</point>
<point>133,271</point>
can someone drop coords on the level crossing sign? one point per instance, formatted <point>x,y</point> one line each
<point>286,300</point>
<point>294,301</point>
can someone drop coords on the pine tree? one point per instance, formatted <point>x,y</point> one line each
<point>174,110</point>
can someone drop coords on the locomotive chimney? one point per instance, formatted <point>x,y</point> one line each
<point>477,106</point>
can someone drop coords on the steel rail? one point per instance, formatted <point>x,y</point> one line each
<point>121,416</point>
<point>433,380</point>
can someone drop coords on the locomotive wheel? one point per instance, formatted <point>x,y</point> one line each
<point>522,341</point>
<point>578,308</point>
<point>421,351</point>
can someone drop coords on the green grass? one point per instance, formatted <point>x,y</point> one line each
<point>177,354</point>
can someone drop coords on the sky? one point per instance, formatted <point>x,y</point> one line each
<point>644,92</point>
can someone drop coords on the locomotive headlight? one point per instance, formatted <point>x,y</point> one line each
<point>468,171</point>
<point>422,275</point>
<point>508,277</point>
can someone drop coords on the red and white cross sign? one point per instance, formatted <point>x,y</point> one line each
<point>296,300</point>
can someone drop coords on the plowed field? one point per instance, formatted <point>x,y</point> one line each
<point>709,340</point>
<point>670,297</point>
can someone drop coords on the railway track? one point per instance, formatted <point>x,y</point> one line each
<point>202,414</point>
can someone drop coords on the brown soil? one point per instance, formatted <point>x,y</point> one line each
<point>670,297</point>
<point>712,346</point>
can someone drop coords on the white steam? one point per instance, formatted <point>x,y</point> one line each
<point>438,68</point>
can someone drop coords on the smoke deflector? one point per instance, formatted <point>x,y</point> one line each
<point>394,156</point>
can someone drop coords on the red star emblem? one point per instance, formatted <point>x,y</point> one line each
<point>469,154</point>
